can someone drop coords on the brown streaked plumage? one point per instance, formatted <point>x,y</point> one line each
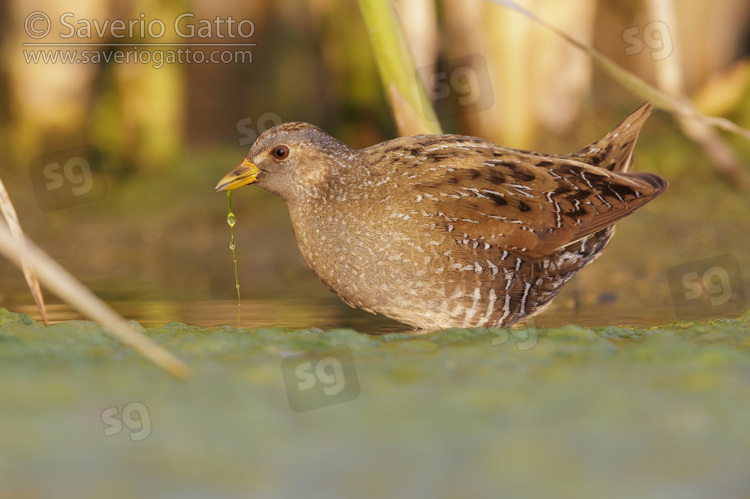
<point>445,231</point>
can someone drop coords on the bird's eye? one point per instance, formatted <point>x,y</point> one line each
<point>280,152</point>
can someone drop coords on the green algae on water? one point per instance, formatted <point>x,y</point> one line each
<point>231,221</point>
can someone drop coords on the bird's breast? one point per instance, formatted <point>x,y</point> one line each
<point>367,255</point>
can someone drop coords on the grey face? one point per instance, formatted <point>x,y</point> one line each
<point>291,160</point>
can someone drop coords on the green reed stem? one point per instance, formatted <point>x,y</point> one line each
<point>395,63</point>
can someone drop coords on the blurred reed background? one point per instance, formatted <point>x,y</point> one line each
<point>313,62</point>
<point>165,134</point>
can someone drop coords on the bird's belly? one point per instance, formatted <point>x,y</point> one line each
<point>424,278</point>
<point>393,273</point>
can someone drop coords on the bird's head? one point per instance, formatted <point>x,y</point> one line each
<point>293,160</point>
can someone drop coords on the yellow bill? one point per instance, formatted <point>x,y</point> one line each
<point>242,175</point>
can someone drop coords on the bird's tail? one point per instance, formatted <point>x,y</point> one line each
<point>614,151</point>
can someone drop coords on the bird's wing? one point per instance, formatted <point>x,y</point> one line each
<point>530,203</point>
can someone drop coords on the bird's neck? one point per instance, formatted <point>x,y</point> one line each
<point>340,181</point>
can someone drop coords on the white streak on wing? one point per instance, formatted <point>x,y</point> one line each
<point>521,189</point>
<point>496,217</point>
<point>603,201</point>
<point>493,193</point>
<point>527,287</point>
<point>457,310</point>
<point>475,191</point>
<point>477,296</point>
<point>506,310</point>
<point>492,297</point>
<point>492,267</point>
<point>558,217</point>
